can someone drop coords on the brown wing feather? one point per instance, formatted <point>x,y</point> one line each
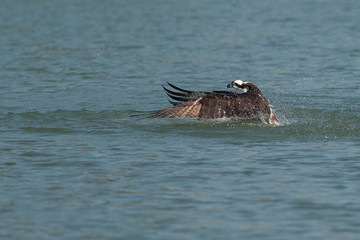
<point>186,109</point>
<point>211,106</point>
<point>228,105</point>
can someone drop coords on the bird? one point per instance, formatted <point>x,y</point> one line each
<point>205,105</point>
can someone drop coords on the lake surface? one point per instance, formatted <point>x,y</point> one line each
<point>79,159</point>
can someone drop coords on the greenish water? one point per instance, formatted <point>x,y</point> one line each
<point>79,159</point>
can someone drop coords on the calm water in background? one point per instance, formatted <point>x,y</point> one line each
<point>80,160</point>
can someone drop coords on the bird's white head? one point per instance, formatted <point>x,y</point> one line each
<point>239,84</point>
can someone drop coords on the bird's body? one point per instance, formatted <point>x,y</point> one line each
<point>251,104</point>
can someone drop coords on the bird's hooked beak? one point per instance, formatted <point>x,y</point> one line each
<point>230,85</point>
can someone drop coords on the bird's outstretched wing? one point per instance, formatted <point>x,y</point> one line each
<point>190,103</point>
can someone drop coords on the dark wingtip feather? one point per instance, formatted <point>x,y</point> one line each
<point>177,88</point>
<point>173,103</point>
<point>181,99</point>
<point>174,93</point>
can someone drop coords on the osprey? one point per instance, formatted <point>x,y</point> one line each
<point>251,104</point>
